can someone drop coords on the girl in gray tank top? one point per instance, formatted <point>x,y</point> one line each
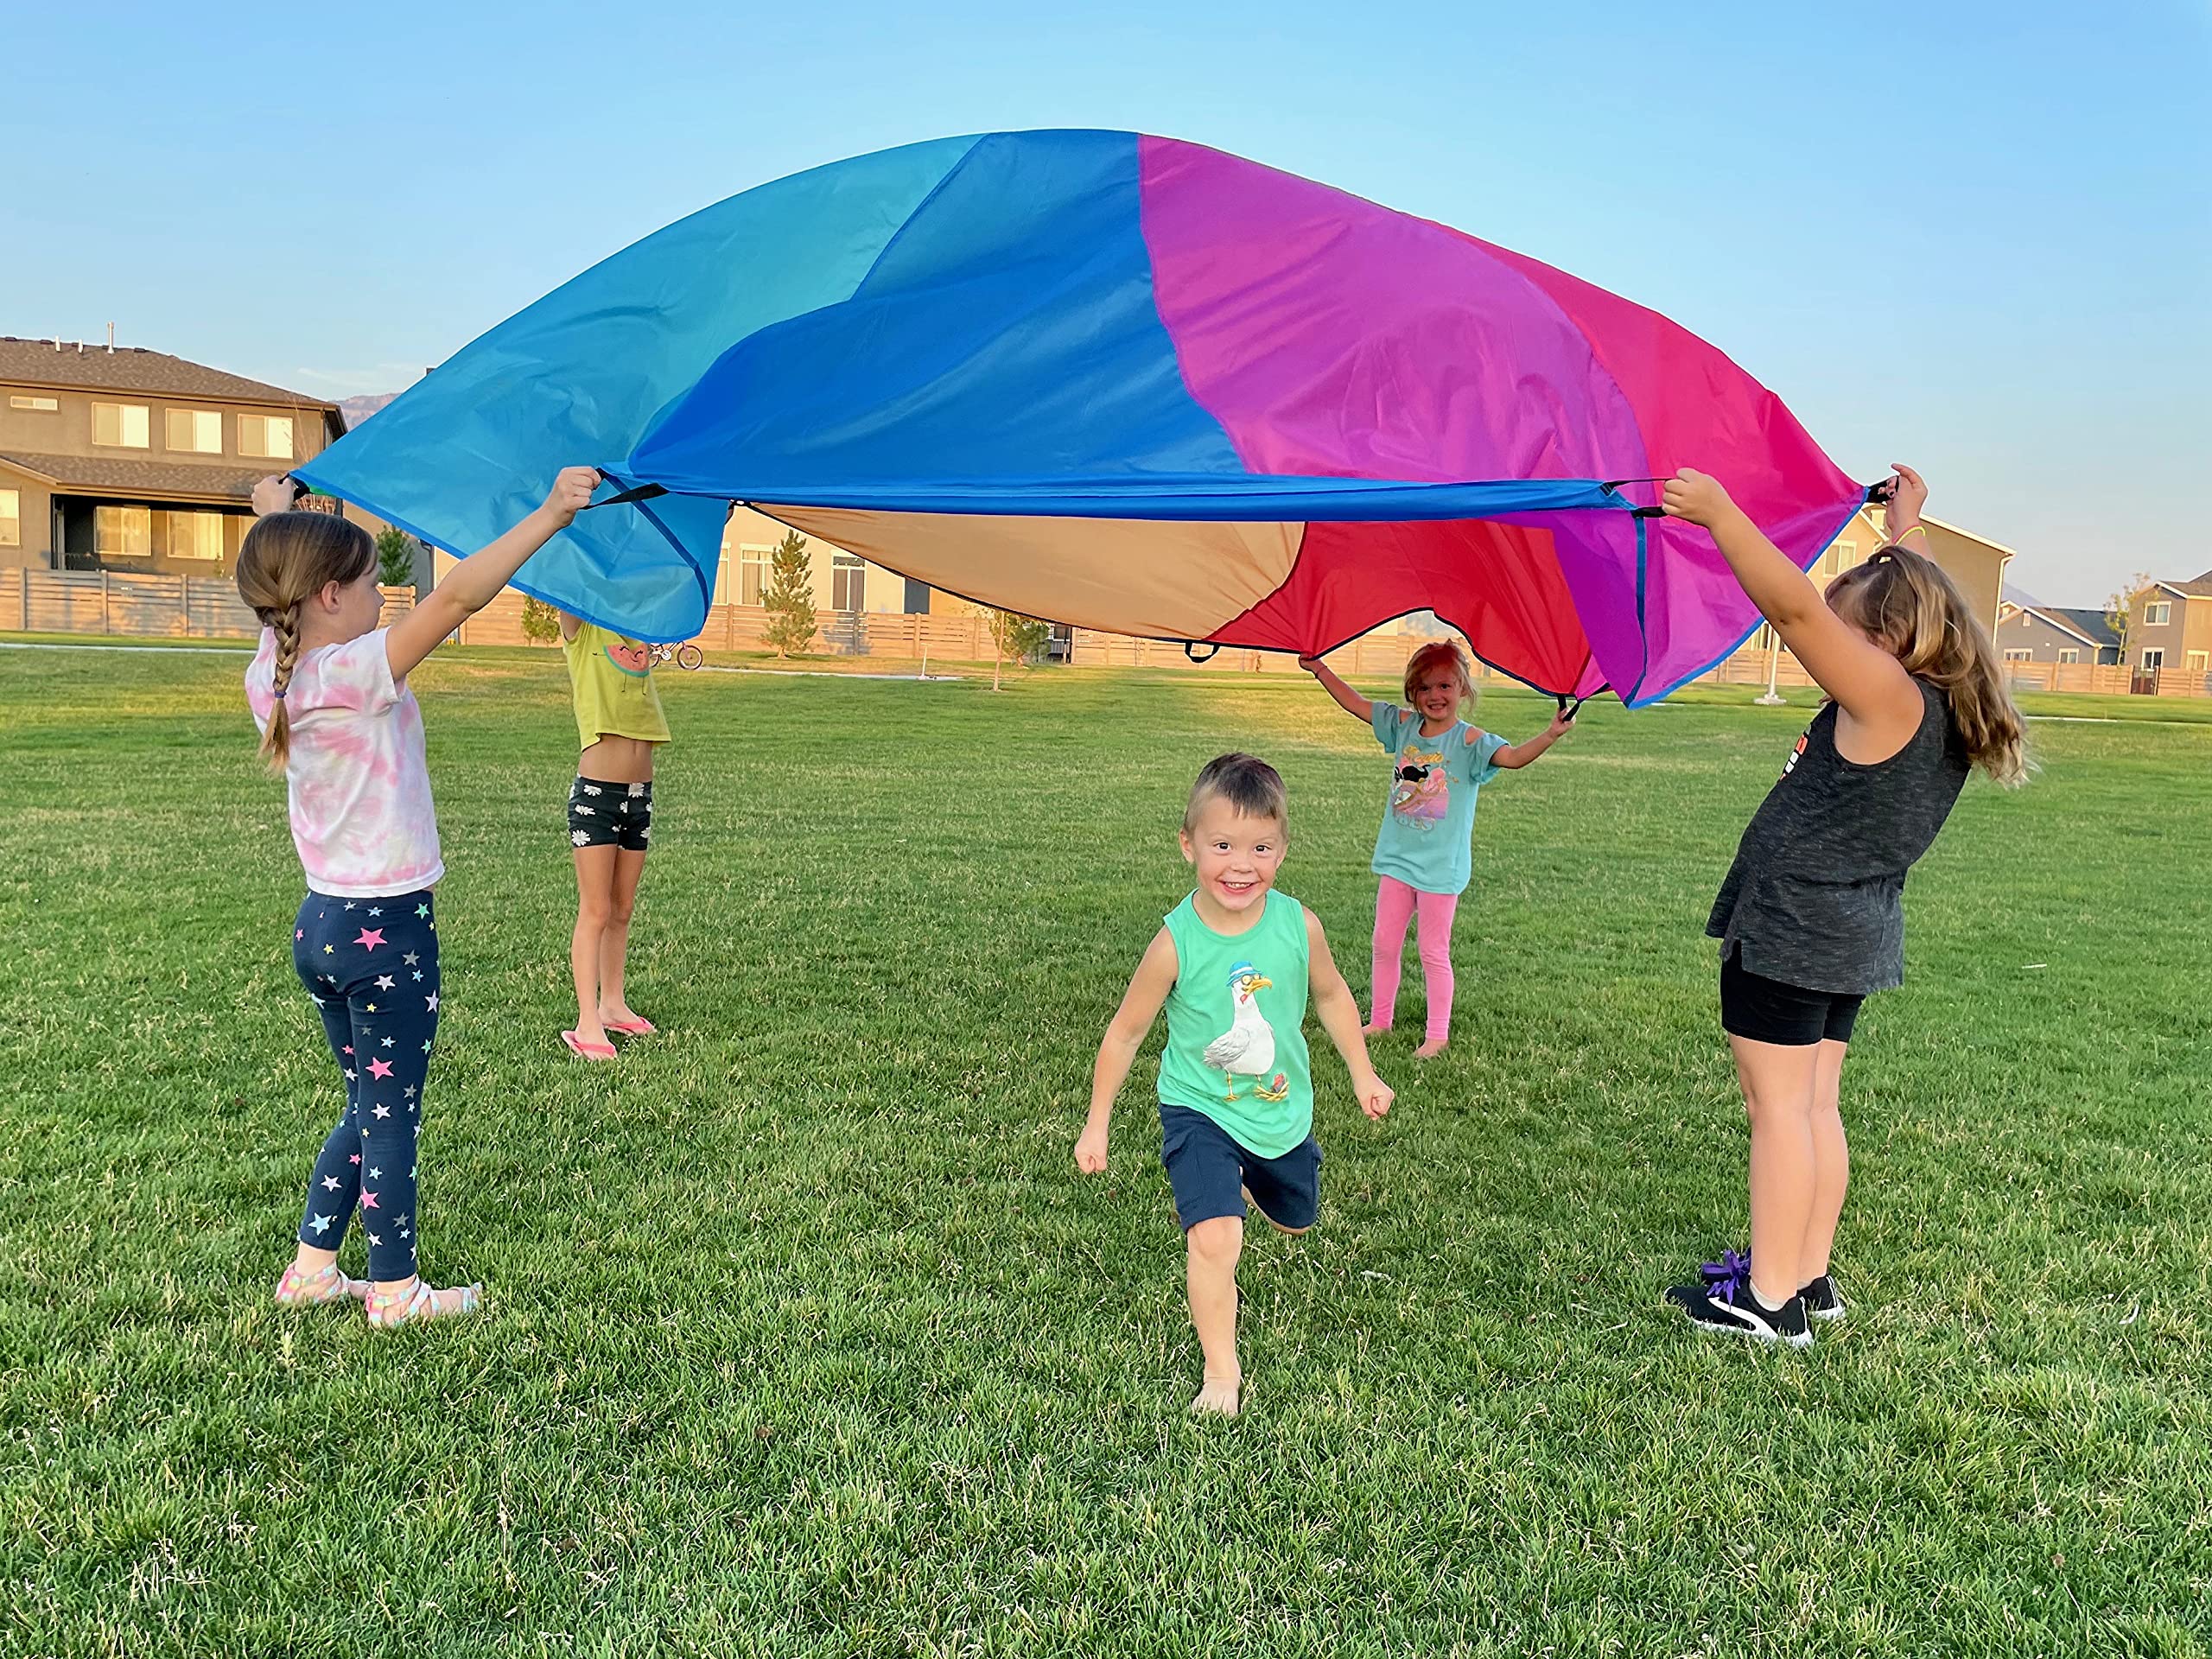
<point>1811,915</point>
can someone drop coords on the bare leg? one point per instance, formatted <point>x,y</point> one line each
<point>1214,1247</point>
<point>1831,1163</point>
<point>1778,1085</point>
<point>614,939</point>
<point>595,903</point>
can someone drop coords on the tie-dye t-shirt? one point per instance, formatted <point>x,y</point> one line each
<point>360,791</point>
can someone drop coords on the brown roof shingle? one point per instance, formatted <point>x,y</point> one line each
<point>2195,587</point>
<point>113,477</point>
<point>133,368</point>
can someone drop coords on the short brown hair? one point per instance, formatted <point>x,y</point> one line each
<point>1248,783</point>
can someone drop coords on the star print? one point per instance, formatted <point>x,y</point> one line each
<point>375,1238</point>
<point>317,1001</point>
<point>321,1223</point>
<point>418,975</point>
<point>299,933</point>
<point>433,1002</point>
<point>330,1181</point>
<point>414,1106</point>
<point>422,910</point>
<point>370,938</point>
<point>349,903</point>
<point>376,910</point>
<point>385,981</point>
<point>378,1175</point>
<point>426,1044</point>
<point>350,1074</point>
<point>410,1091</point>
<point>381,1111</point>
<point>368,1200</point>
<point>410,958</point>
<point>403,1226</point>
<point>355,1159</point>
<point>379,1070</point>
<point>348,1049</point>
<point>388,1042</point>
<point>371,1008</point>
<point>328,951</point>
<point>410,1175</point>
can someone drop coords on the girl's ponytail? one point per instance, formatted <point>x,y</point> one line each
<point>286,559</point>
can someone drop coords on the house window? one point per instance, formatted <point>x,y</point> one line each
<point>2158,615</point>
<point>847,583</point>
<point>1839,557</point>
<point>195,535</point>
<point>43,405</point>
<point>2154,657</point>
<point>2015,656</point>
<point>2199,661</point>
<point>2070,653</point>
<point>122,426</point>
<point>195,431</point>
<point>11,519</point>
<point>266,438</point>
<point>123,532</point>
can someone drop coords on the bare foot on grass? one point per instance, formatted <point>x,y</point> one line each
<point>1217,1396</point>
<point>1431,1049</point>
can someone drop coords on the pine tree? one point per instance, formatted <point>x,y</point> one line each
<point>789,598</point>
<point>395,557</point>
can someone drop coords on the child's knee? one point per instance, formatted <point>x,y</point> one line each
<point>618,909</point>
<point>594,910</point>
<point>1217,1242</point>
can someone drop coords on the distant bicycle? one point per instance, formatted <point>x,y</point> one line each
<point>686,655</point>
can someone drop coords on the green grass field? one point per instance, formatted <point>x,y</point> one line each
<point>808,1339</point>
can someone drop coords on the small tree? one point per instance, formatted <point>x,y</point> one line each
<point>541,623</point>
<point>395,557</point>
<point>1015,638</point>
<point>789,598</point>
<point>2120,609</point>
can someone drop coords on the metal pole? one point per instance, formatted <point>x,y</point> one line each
<point>1773,666</point>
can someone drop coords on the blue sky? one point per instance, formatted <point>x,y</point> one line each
<point>1973,237</point>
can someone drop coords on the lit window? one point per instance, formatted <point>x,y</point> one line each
<point>195,535</point>
<point>43,405</point>
<point>11,519</point>
<point>266,438</point>
<point>848,581</point>
<point>122,426</point>
<point>195,431</point>
<point>123,532</point>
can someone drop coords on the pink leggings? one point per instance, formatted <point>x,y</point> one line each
<point>1394,904</point>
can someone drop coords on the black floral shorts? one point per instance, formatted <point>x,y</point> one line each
<point>610,815</point>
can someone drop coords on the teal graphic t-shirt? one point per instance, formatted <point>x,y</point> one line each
<point>1236,1026</point>
<point>1428,825</point>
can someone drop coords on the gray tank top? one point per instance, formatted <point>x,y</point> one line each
<point>1815,898</point>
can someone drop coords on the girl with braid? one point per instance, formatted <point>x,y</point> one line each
<point>329,689</point>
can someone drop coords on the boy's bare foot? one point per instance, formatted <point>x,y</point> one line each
<point>1431,1049</point>
<point>1218,1395</point>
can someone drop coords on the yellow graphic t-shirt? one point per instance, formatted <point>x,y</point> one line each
<point>611,681</point>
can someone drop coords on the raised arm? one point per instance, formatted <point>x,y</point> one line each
<point>569,625</point>
<point>1347,699</point>
<point>1339,1013</point>
<point>1118,1050</point>
<point>476,580</point>
<point>1516,755</point>
<point>1869,685</point>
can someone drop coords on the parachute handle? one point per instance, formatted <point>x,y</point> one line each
<point>1569,706</point>
<point>1190,651</point>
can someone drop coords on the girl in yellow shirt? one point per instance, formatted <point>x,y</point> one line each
<point>618,722</point>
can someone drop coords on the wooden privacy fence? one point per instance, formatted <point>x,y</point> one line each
<point>109,601</point>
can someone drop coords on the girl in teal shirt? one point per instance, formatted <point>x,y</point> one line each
<point>1423,853</point>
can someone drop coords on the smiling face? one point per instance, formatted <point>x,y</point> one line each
<point>1438,695</point>
<point>1235,855</point>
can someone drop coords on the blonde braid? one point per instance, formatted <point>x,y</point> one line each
<point>276,740</point>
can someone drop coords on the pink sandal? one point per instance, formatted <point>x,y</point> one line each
<point>325,1284</point>
<point>584,1051</point>
<point>639,1027</point>
<point>417,1300</point>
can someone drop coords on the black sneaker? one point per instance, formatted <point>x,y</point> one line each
<point>1729,1305</point>
<point>1821,1301</point>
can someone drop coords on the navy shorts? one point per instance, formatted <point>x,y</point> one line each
<point>1207,1167</point>
<point>610,815</point>
<point>1763,1010</point>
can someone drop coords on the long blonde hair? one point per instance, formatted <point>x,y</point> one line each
<point>285,560</point>
<point>1438,653</point>
<point>1905,602</point>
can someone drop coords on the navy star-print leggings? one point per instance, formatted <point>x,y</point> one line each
<point>372,967</point>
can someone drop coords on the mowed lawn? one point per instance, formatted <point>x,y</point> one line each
<point>807,1337</point>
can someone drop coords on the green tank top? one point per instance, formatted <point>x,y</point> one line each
<point>1236,1026</point>
<point>611,681</point>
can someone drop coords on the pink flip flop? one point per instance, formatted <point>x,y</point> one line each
<point>640,1027</point>
<point>584,1051</point>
